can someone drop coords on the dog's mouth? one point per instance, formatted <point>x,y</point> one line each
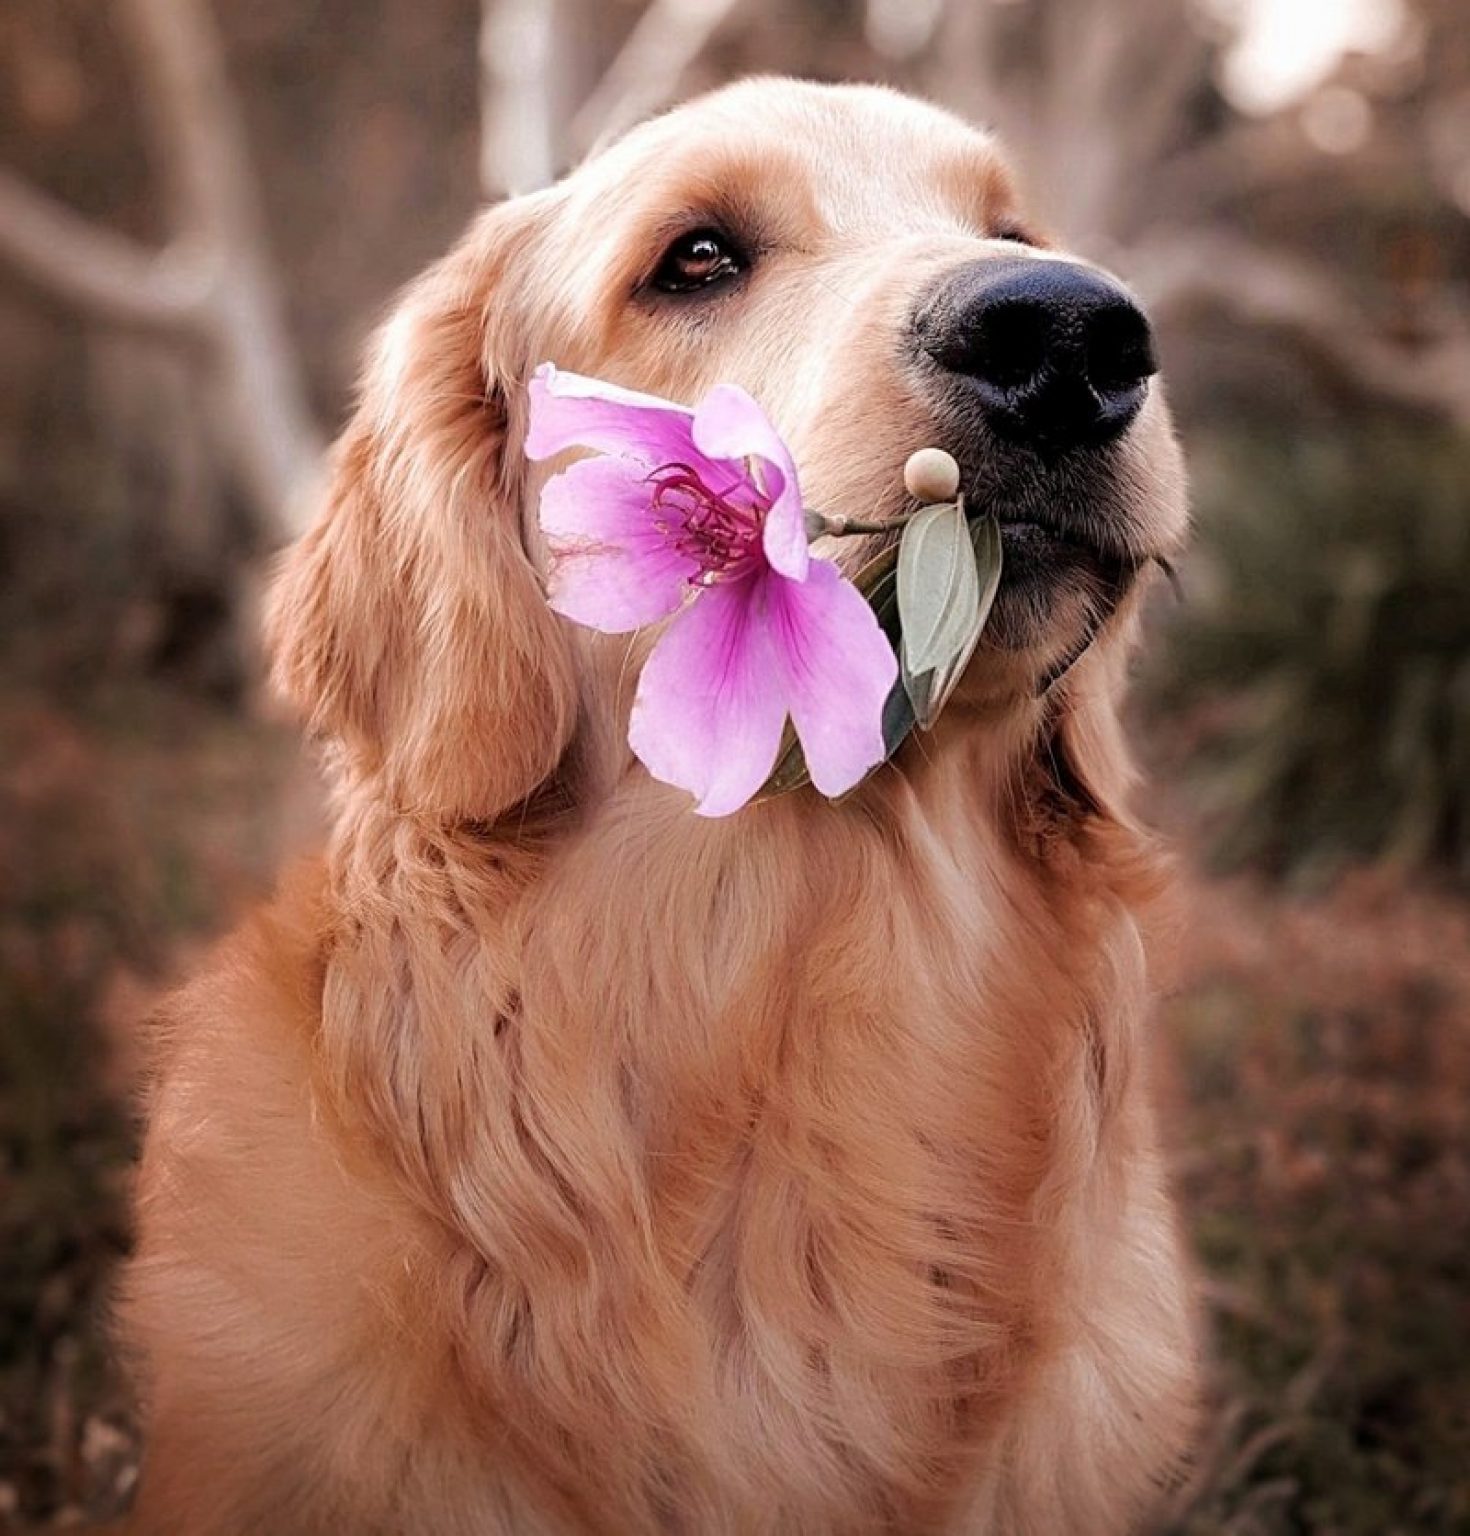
<point>1035,551</point>
<point>1068,559</point>
<point>1029,544</point>
<point>1050,530</point>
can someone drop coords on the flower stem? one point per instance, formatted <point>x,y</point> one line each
<point>818,523</point>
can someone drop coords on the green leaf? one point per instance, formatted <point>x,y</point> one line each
<point>790,771</point>
<point>938,587</point>
<point>876,581</point>
<point>929,691</point>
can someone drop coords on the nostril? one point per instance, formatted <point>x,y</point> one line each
<point>1011,344</point>
<point>1054,354</point>
<point>1119,350</point>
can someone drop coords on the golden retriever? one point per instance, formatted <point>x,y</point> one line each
<point>548,1158</point>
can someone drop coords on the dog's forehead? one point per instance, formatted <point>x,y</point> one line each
<point>852,156</point>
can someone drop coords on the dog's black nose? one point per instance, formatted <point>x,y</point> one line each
<point>1059,355</point>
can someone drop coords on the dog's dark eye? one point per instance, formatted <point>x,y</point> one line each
<point>1008,229</point>
<point>697,260</point>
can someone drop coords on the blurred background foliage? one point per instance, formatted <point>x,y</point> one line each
<point>203,209</point>
<point>1323,665</point>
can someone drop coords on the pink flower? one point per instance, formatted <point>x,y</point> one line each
<point>698,513</point>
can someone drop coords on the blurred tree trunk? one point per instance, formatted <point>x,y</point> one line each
<point>1134,158</point>
<point>213,286</point>
<point>1112,110</point>
<point>526,76</point>
<point>520,96</point>
<point>648,70</point>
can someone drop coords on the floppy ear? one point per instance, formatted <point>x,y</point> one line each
<point>408,625</point>
<point>1089,772</point>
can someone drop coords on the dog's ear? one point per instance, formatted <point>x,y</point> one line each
<point>1085,754</point>
<point>408,625</point>
<point>1088,773</point>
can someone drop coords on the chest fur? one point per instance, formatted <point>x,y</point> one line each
<point>795,1142</point>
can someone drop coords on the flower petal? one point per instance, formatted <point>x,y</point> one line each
<point>837,669</point>
<point>708,714</point>
<point>728,424</point>
<point>611,567</point>
<point>569,410</point>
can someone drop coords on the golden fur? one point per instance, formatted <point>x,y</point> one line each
<point>549,1159</point>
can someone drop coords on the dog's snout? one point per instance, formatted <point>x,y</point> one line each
<point>1059,354</point>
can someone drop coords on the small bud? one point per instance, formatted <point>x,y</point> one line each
<point>931,475</point>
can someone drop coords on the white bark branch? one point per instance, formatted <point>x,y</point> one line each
<point>214,279</point>
<point>1279,292</point>
<point>518,96</point>
<point>265,425</point>
<point>194,119</point>
<point>1242,160</point>
<point>901,29</point>
<point>1156,108</point>
<point>666,39</point>
<point>1111,181</point>
<point>965,70</point>
<point>93,269</point>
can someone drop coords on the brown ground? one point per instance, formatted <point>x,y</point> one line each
<point>1316,1058</point>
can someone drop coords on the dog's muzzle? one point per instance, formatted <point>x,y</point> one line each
<point>1057,355</point>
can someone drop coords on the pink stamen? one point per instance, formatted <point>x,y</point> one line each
<point>721,535</point>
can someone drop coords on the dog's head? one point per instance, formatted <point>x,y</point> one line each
<point>861,264</point>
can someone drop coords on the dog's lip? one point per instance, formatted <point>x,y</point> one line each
<point>1026,543</point>
<point>1031,546</point>
<point>1028,529</point>
<point>1032,529</point>
<point>1035,529</point>
<point>1030,535</point>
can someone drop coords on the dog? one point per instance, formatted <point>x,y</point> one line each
<point>547,1158</point>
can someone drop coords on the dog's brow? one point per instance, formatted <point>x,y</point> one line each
<point>740,182</point>
<point>977,180</point>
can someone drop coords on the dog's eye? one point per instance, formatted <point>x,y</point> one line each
<point>697,260</point>
<point>1008,229</point>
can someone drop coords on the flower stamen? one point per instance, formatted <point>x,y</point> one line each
<point>721,535</point>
